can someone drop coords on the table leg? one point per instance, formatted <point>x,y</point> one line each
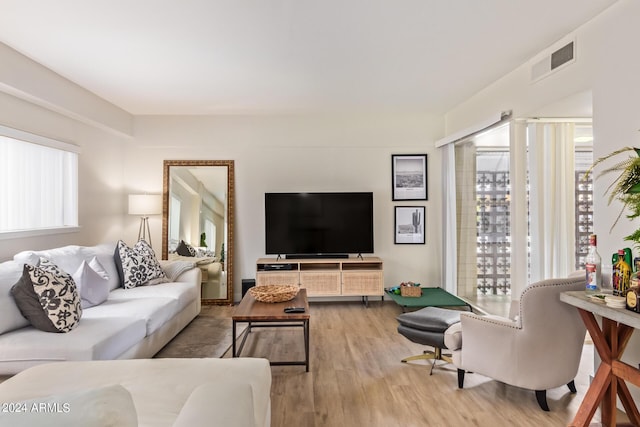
<point>306,343</point>
<point>608,407</point>
<point>628,403</point>
<point>233,339</point>
<point>600,341</point>
<point>594,395</point>
<point>609,381</point>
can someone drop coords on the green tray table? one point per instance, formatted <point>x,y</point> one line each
<point>431,297</point>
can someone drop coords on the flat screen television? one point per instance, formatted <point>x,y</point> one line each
<point>301,225</point>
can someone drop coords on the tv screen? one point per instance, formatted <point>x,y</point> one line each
<point>308,224</point>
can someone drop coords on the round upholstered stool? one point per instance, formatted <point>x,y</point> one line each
<point>427,327</point>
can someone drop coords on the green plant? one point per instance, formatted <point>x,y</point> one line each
<point>625,188</point>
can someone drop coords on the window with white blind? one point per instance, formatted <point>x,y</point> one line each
<point>210,230</point>
<point>38,184</point>
<point>175,209</point>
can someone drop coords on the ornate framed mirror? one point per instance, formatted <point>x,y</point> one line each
<point>197,219</point>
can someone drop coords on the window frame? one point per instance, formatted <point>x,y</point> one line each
<point>32,138</point>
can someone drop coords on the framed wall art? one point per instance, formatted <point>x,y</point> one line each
<point>409,176</point>
<point>409,225</point>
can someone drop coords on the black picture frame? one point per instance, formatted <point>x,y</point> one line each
<point>409,177</point>
<point>409,225</point>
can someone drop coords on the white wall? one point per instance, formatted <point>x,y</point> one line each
<point>100,174</point>
<point>608,66</point>
<point>24,78</point>
<point>299,153</point>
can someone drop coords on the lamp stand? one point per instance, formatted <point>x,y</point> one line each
<point>144,230</point>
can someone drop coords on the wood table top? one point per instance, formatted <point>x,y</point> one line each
<point>251,310</point>
<point>621,315</point>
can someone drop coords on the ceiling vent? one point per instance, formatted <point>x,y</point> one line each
<point>552,62</point>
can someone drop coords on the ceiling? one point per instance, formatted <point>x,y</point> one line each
<point>282,56</point>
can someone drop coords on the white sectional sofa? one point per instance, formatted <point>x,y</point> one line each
<point>144,393</point>
<point>87,387</point>
<point>131,323</point>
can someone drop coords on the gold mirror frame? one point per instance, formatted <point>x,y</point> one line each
<point>228,263</point>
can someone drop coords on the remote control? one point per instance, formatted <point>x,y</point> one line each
<point>294,310</point>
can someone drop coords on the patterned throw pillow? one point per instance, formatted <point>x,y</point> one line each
<point>185,249</point>
<point>48,297</point>
<point>138,266</point>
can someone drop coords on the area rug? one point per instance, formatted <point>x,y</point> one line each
<point>208,335</point>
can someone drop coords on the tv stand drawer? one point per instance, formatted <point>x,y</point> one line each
<point>325,277</point>
<point>320,283</point>
<point>367,283</point>
<point>277,278</point>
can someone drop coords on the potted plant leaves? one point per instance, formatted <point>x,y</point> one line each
<point>626,187</point>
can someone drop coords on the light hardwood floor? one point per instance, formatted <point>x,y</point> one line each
<point>357,378</point>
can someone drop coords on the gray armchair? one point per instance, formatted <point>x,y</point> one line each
<point>538,350</point>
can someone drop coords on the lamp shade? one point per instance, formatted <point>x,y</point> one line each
<point>145,204</point>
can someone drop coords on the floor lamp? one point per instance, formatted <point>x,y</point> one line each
<point>145,205</point>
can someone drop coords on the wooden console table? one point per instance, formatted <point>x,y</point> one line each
<point>610,341</point>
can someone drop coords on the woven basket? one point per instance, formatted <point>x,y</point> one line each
<point>274,293</point>
<point>411,291</point>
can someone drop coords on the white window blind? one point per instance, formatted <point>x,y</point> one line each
<point>38,182</point>
<point>174,222</point>
<point>210,230</point>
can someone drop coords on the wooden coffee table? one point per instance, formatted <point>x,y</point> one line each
<point>261,314</point>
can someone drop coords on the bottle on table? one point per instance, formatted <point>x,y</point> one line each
<point>621,275</point>
<point>593,265</point>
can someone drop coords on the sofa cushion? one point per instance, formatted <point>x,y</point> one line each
<point>93,283</point>
<point>10,316</point>
<point>70,257</point>
<point>155,312</point>
<point>159,387</point>
<point>233,405</point>
<point>137,266</point>
<point>92,339</point>
<point>48,297</point>
<point>183,292</point>
<point>111,405</point>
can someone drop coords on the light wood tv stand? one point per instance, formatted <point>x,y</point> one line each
<point>325,277</point>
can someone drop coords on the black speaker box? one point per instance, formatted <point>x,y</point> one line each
<point>246,284</point>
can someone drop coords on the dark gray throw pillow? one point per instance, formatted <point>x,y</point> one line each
<point>137,266</point>
<point>185,249</point>
<point>48,297</point>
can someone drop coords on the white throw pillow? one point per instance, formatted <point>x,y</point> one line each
<point>93,282</point>
<point>110,406</point>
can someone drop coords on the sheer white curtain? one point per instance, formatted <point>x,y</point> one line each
<point>467,211</point>
<point>449,231</point>
<point>519,208</point>
<point>552,199</point>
